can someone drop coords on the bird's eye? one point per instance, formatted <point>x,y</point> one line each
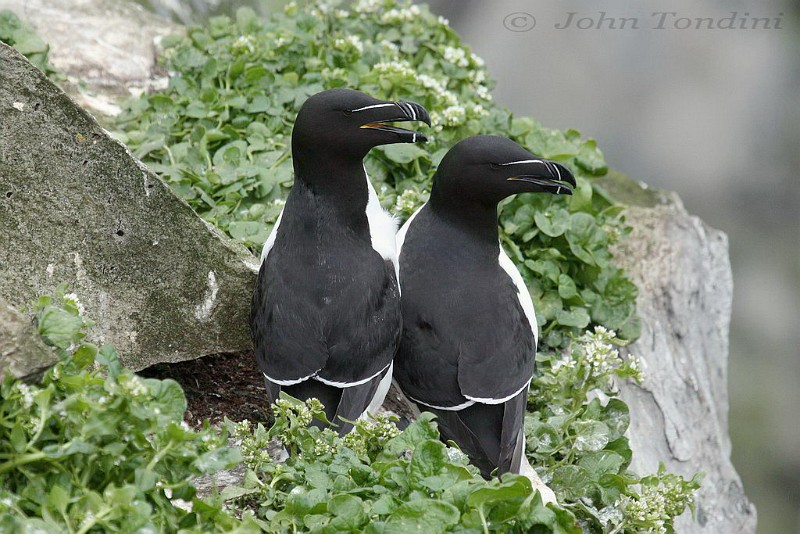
<point>347,112</point>
<point>494,166</point>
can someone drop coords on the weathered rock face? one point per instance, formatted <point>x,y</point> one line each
<point>105,44</point>
<point>22,351</point>
<point>679,416</point>
<point>76,207</point>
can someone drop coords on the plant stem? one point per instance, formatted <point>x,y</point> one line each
<point>22,460</point>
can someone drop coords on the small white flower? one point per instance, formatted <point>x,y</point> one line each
<point>483,93</point>
<point>400,67</point>
<point>436,121</point>
<point>564,363</point>
<point>368,6</point>
<point>244,43</point>
<point>27,394</point>
<point>456,56</point>
<point>351,41</point>
<point>389,46</point>
<point>394,16</point>
<point>479,110</point>
<point>73,298</point>
<point>454,115</point>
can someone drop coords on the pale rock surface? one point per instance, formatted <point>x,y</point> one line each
<point>679,415</point>
<point>22,351</point>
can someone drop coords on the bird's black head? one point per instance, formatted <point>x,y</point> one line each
<point>346,124</point>
<point>487,168</point>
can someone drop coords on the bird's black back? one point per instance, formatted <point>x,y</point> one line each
<point>326,302</point>
<point>464,331</point>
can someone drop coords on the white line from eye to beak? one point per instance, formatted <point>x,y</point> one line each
<point>524,161</point>
<point>373,106</point>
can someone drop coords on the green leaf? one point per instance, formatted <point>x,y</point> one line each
<point>107,356</point>
<point>349,513</point>
<point>601,462</point>
<point>168,397</point>
<point>428,459</point>
<point>423,515</point>
<point>417,432</point>
<point>571,482</point>
<point>590,435</point>
<point>566,287</point>
<point>18,438</point>
<point>218,459</point>
<point>616,416</point>
<point>29,43</point>
<point>577,317</point>
<point>404,153</point>
<point>581,199</point>
<point>58,499</point>
<point>590,158</point>
<point>229,493</point>
<point>58,327</point>
<point>501,503</point>
<point>546,439</point>
<point>553,222</point>
<point>302,501</point>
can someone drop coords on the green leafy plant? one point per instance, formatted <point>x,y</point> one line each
<point>21,36</point>
<point>219,135</point>
<point>93,447</point>
<point>575,429</point>
<point>378,479</point>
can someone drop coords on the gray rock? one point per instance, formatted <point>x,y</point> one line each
<point>76,207</point>
<point>107,45</point>
<point>22,351</point>
<point>679,416</point>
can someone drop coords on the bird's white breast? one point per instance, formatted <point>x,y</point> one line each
<point>382,227</point>
<point>401,235</point>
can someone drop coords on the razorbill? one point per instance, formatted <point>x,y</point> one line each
<point>469,329</point>
<point>325,317</point>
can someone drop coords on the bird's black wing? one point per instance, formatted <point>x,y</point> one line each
<point>465,343</point>
<point>426,365</point>
<point>286,326</point>
<point>497,362</point>
<point>363,328</point>
<point>490,434</point>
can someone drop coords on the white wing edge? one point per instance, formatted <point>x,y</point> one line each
<point>522,292</point>
<point>271,239</point>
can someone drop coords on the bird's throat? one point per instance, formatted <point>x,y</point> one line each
<point>479,219</point>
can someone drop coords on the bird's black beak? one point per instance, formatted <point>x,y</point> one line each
<point>543,175</point>
<point>378,117</point>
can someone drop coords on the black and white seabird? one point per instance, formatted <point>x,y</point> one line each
<point>469,328</point>
<point>325,317</point>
